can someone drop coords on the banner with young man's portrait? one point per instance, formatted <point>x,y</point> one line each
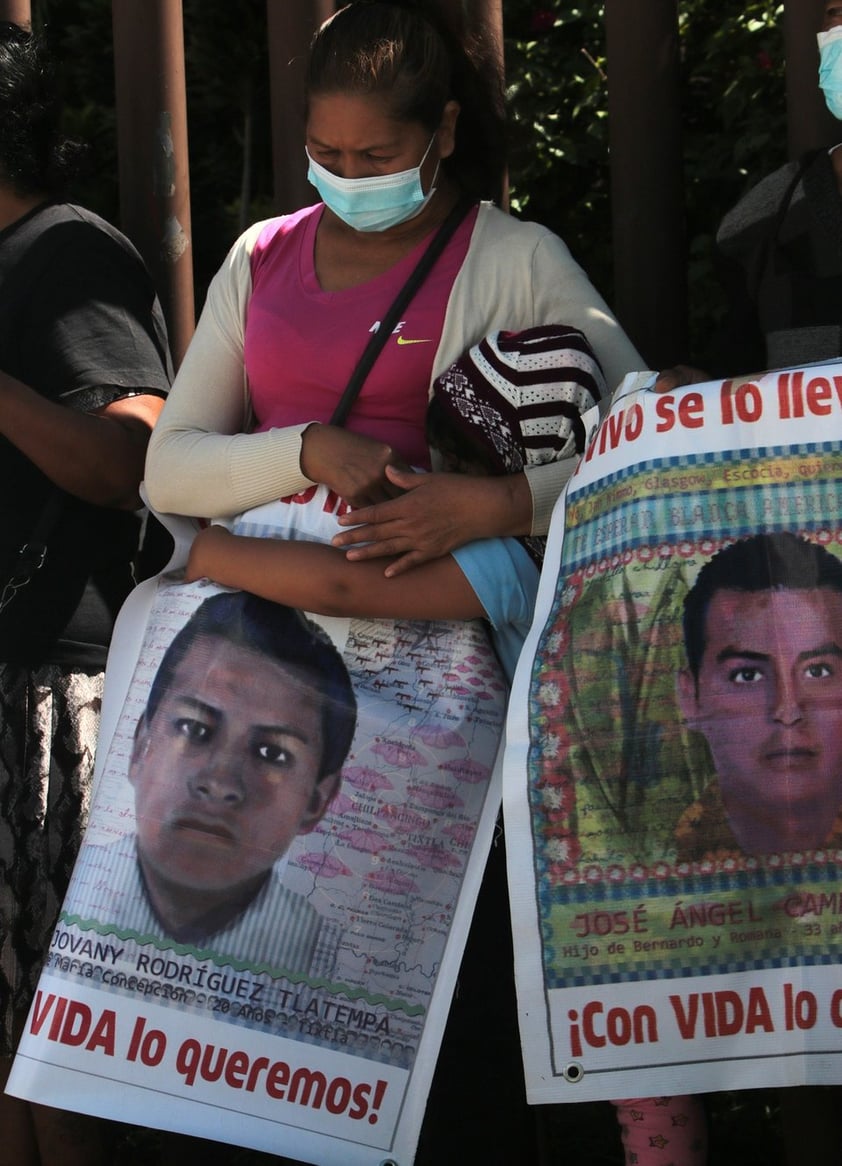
<point>673,767</point>
<point>290,822</point>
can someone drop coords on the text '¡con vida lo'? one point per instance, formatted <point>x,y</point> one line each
<point>705,1015</point>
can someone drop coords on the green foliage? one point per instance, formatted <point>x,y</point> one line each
<point>228,125</point>
<point>558,131</point>
<point>79,35</point>
<point>735,129</point>
<point>733,117</point>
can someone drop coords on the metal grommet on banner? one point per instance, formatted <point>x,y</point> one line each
<point>573,1073</point>
<point>389,1162</point>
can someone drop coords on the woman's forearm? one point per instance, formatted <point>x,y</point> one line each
<point>214,475</point>
<point>203,459</point>
<point>318,578</point>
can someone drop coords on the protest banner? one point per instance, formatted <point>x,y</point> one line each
<point>262,933</point>
<point>673,768</point>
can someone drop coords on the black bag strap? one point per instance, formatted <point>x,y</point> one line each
<point>33,554</point>
<point>387,324</point>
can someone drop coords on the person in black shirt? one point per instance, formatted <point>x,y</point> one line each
<point>84,368</point>
<point>779,253</point>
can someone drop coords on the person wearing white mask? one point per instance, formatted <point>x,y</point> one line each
<point>780,249</point>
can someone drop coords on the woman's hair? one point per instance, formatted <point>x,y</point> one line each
<point>35,158</point>
<point>405,51</point>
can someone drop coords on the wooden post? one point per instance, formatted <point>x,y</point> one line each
<point>152,151</point>
<point>290,29</point>
<point>486,17</point>
<point>809,124</point>
<point>650,276</point>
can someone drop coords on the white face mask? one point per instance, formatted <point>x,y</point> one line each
<point>830,69</point>
<point>377,203</point>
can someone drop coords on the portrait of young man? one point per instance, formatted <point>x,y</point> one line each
<point>763,685</point>
<point>248,722</point>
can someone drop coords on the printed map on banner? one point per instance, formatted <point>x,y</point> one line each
<point>673,769</point>
<point>307,1020</point>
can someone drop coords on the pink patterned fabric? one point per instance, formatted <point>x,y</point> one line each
<point>663,1131</point>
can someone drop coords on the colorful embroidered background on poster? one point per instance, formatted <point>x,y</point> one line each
<point>673,769</point>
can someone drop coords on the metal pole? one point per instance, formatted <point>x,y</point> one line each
<point>290,27</point>
<point>152,149</point>
<point>646,177</point>
<point>809,125</point>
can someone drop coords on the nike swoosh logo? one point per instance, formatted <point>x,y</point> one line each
<point>403,340</point>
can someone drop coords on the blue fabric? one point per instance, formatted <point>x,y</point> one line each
<point>505,580</point>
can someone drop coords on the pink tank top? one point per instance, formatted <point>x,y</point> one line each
<point>302,343</point>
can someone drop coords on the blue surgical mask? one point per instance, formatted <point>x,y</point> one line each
<point>373,204</point>
<point>830,69</point>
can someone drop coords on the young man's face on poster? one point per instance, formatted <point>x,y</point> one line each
<point>769,701</point>
<point>226,773</point>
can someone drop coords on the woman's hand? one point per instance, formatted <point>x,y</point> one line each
<point>670,379</point>
<point>351,465</point>
<point>435,514</point>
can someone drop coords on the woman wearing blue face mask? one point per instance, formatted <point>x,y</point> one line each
<point>781,250</point>
<point>402,126</point>
<point>376,203</point>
